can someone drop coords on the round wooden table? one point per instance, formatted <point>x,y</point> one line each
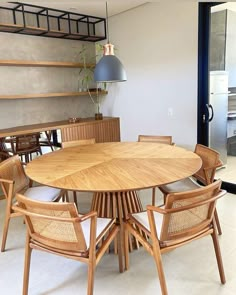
<point>114,171</point>
<point>113,167</point>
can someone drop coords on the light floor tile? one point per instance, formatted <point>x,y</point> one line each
<point>189,270</point>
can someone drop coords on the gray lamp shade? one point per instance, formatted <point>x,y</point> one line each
<point>109,69</point>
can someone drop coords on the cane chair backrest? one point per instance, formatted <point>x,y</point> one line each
<point>189,212</point>
<point>53,225</point>
<point>27,143</point>
<point>12,170</point>
<point>210,161</point>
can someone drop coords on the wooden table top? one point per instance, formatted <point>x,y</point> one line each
<point>26,129</point>
<point>116,166</point>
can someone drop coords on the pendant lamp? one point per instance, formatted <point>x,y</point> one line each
<point>109,68</point>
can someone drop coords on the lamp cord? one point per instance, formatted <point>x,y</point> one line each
<point>107,24</point>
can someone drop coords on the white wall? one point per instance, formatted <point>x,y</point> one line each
<point>157,43</point>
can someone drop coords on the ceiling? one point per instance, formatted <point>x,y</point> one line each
<point>229,5</point>
<point>96,8</point>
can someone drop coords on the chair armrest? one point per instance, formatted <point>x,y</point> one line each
<point>6,181</point>
<point>88,216</point>
<point>36,215</point>
<point>157,209</point>
<point>220,194</point>
<point>219,164</point>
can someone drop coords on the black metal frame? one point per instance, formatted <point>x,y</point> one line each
<point>88,21</point>
<point>203,78</point>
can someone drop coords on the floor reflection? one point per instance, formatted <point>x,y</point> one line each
<point>228,173</point>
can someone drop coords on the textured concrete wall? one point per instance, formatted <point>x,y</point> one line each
<point>26,80</point>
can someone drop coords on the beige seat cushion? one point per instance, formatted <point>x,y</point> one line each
<point>142,218</point>
<point>42,193</point>
<point>102,224</point>
<point>181,185</point>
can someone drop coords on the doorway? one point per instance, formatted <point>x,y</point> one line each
<point>207,51</point>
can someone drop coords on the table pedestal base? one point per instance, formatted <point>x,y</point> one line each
<point>118,205</point>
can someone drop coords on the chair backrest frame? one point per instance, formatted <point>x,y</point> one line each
<point>12,170</point>
<point>53,225</point>
<point>73,143</point>
<point>27,143</point>
<point>210,162</point>
<point>195,209</point>
<point>165,139</point>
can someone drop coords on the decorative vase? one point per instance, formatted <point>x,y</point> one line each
<point>98,116</point>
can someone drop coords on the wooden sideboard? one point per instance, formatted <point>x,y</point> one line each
<point>106,130</point>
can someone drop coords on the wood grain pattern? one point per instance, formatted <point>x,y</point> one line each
<point>102,131</point>
<point>33,63</point>
<point>44,95</point>
<point>116,166</point>
<point>19,130</point>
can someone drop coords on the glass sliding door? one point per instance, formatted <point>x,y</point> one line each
<point>217,105</point>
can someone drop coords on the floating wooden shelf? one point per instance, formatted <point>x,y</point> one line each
<point>11,28</point>
<point>45,95</point>
<point>31,63</point>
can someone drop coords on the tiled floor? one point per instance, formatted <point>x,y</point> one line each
<point>190,270</point>
<point>228,173</point>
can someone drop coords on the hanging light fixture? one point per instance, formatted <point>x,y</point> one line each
<point>109,68</point>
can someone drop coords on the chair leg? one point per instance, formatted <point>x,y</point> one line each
<point>126,247</point>
<point>28,252</point>
<point>49,140</point>
<point>65,197</point>
<point>158,261</point>
<point>153,196</point>
<point>91,271</point>
<point>120,252</point>
<point>218,254</point>
<point>6,224</point>
<point>217,222</point>
<point>75,199</point>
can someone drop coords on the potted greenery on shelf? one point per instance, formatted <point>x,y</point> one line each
<point>87,81</point>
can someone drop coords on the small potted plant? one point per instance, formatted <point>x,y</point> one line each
<point>86,79</point>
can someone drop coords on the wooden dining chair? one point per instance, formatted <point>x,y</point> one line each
<point>3,155</point>
<point>26,145</point>
<point>46,140</point>
<point>57,228</point>
<point>5,152</point>
<point>14,180</point>
<point>72,143</point>
<point>186,217</point>
<point>164,139</point>
<point>204,176</point>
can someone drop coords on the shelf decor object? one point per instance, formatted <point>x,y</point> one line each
<point>49,22</point>
<point>109,68</point>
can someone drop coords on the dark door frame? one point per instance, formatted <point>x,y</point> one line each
<point>204,18</point>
